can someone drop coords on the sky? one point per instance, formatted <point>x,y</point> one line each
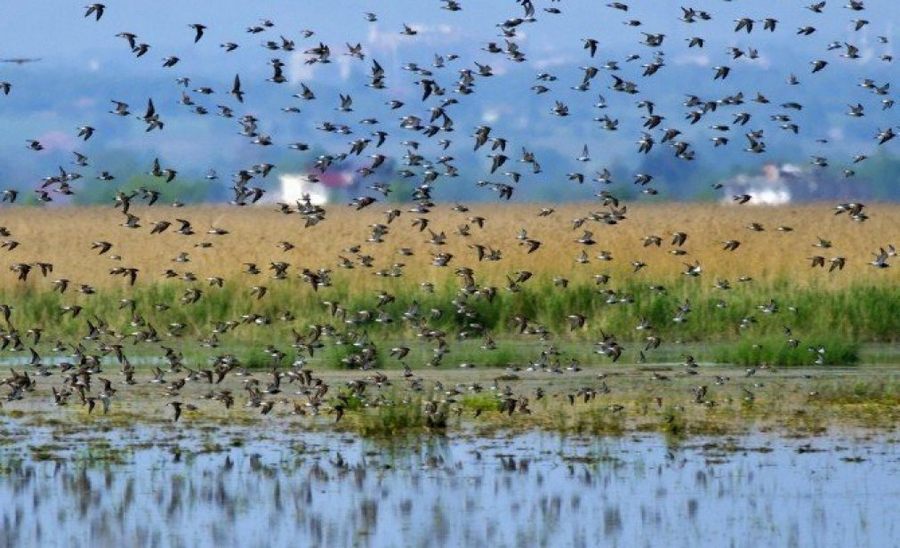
<point>84,66</point>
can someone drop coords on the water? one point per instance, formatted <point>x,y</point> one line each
<point>234,487</point>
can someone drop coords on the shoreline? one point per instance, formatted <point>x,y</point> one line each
<point>618,401</point>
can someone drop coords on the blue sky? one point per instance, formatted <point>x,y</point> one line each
<point>84,66</point>
<point>65,37</point>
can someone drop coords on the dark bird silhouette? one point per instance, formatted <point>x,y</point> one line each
<point>97,10</point>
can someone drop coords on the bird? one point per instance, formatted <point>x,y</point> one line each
<point>177,407</point>
<point>85,132</point>
<point>198,31</point>
<point>97,10</point>
<point>236,89</point>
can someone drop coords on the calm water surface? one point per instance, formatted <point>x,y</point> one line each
<point>231,487</point>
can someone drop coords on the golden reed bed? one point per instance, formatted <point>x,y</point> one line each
<point>63,236</point>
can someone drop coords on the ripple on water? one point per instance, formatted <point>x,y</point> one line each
<point>150,486</point>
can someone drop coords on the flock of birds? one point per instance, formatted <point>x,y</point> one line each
<point>429,125</point>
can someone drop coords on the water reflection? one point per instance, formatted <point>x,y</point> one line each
<point>302,489</point>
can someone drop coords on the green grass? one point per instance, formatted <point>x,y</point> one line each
<point>254,357</point>
<point>860,312</point>
<point>391,419</point>
<point>597,421</point>
<point>480,402</point>
<point>776,351</point>
<point>839,319</point>
<point>859,392</point>
<point>673,422</point>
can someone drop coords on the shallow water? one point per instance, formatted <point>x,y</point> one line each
<point>231,487</point>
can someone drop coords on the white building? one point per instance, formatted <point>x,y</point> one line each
<point>328,186</point>
<point>771,187</point>
<point>292,187</point>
